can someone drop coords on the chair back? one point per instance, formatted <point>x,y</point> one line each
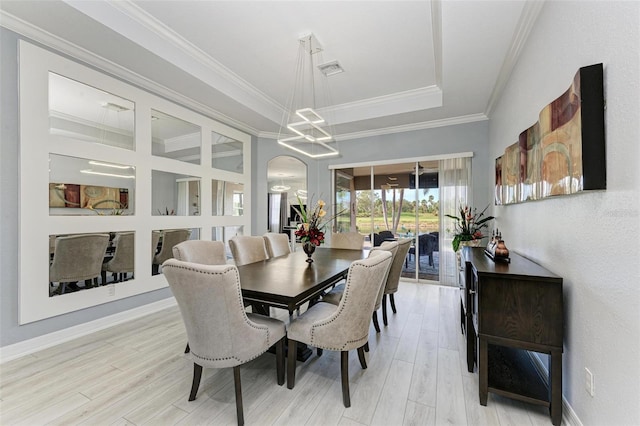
<point>347,240</point>
<point>219,332</point>
<point>348,327</point>
<point>247,249</point>
<point>122,260</point>
<point>170,238</point>
<point>393,280</point>
<point>391,247</point>
<point>203,252</point>
<point>155,240</point>
<point>78,257</point>
<point>277,244</point>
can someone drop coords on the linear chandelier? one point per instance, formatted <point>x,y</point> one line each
<point>303,129</point>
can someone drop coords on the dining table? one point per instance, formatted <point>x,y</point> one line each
<point>289,281</point>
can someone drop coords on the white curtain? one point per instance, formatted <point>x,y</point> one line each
<point>455,189</point>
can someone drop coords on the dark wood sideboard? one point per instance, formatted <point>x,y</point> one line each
<point>507,310</point>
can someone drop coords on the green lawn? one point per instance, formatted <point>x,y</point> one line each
<point>427,223</point>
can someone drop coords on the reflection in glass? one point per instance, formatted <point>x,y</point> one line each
<point>175,138</point>
<point>287,183</point>
<point>83,261</point>
<point>78,186</point>
<point>162,242</point>
<point>224,234</point>
<point>226,153</point>
<point>227,198</point>
<point>174,194</point>
<point>81,112</point>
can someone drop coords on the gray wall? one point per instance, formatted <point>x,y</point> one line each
<point>10,331</point>
<point>589,239</point>
<point>471,137</point>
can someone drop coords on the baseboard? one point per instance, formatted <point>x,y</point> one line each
<point>26,347</point>
<point>569,417</point>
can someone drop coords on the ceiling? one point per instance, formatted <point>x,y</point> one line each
<point>408,64</point>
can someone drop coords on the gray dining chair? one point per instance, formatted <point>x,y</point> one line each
<point>122,261</point>
<point>199,251</point>
<point>221,334</point>
<point>344,327</point>
<point>78,258</point>
<point>202,252</point>
<point>335,295</point>
<point>247,249</point>
<point>277,244</point>
<point>347,240</point>
<point>170,238</point>
<point>393,280</point>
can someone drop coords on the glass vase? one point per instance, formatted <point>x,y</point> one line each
<point>309,248</point>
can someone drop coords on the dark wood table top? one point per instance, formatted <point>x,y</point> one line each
<point>289,281</point>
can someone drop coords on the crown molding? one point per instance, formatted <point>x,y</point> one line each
<point>471,118</point>
<point>530,12</point>
<point>395,103</point>
<point>134,23</point>
<point>78,53</point>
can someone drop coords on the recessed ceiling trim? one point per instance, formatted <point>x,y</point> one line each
<point>132,22</point>
<point>396,103</point>
<point>453,121</point>
<point>26,29</point>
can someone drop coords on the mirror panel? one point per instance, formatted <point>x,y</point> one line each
<point>287,187</point>
<point>226,153</point>
<point>224,234</point>
<point>175,138</point>
<point>85,261</point>
<point>174,194</point>
<point>79,186</point>
<point>227,198</point>
<point>162,242</point>
<point>81,112</point>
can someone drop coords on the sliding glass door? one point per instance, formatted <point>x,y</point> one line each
<point>391,201</point>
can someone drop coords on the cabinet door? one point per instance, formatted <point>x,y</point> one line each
<point>523,310</point>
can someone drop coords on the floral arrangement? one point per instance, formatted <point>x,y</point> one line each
<point>311,228</point>
<point>468,225</point>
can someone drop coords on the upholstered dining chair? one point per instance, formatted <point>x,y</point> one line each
<point>247,249</point>
<point>343,327</point>
<point>199,251</point>
<point>170,238</point>
<point>78,258</point>
<point>393,280</point>
<point>202,252</point>
<point>122,261</point>
<point>221,334</point>
<point>277,244</point>
<point>347,240</point>
<point>335,295</point>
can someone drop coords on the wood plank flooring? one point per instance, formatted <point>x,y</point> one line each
<point>136,374</point>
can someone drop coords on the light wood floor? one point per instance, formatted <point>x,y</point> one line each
<point>136,373</point>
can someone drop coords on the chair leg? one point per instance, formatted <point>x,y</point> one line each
<point>344,369</point>
<point>319,351</point>
<point>366,347</point>
<point>374,317</point>
<point>197,374</point>
<point>384,310</point>
<point>238,386</point>
<point>363,361</point>
<point>280,361</point>
<point>393,303</point>
<point>291,366</point>
<point>104,277</point>
<point>187,349</point>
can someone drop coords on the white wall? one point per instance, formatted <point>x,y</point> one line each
<point>589,239</point>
